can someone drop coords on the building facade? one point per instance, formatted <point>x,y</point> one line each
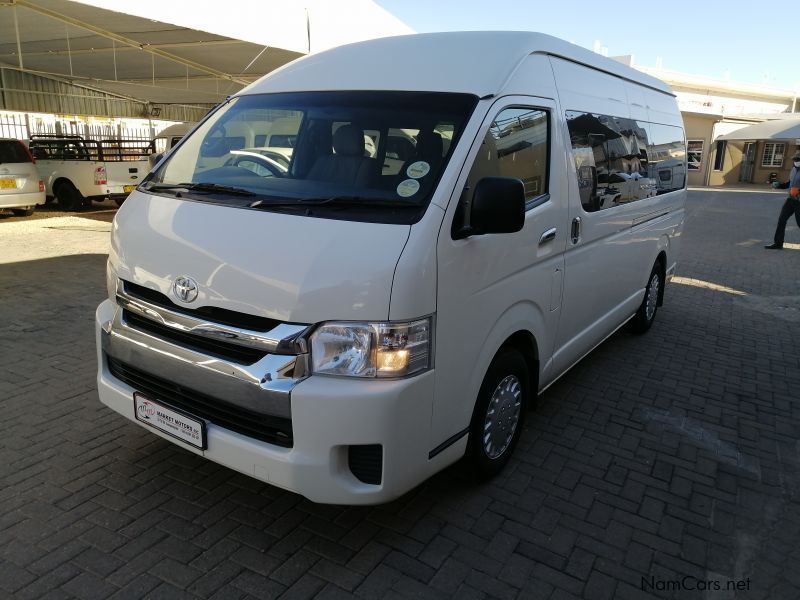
<point>713,110</point>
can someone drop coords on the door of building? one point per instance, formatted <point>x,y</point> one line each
<point>748,162</point>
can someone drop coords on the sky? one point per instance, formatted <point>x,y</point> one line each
<point>724,40</point>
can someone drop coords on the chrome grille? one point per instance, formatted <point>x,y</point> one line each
<point>217,348</point>
<point>267,428</point>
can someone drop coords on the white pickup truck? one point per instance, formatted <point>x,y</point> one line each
<point>78,170</point>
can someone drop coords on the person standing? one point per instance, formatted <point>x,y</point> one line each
<point>791,206</point>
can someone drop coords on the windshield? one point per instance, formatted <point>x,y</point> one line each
<point>373,156</point>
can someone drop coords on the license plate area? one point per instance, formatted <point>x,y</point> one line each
<point>8,183</point>
<point>174,423</point>
<point>128,188</point>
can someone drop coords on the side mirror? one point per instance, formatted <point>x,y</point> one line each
<point>498,206</point>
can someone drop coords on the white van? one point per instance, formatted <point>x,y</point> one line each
<point>167,139</point>
<point>170,136</point>
<point>345,331</point>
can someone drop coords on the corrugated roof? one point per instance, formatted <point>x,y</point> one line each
<point>190,54</point>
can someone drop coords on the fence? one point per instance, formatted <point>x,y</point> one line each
<point>21,126</point>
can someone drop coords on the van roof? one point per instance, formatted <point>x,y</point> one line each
<point>177,129</point>
<point>474,62</point>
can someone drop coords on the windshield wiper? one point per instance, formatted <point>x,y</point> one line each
<point>339,201</point>
<point>200,187</point>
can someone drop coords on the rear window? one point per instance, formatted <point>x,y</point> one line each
<point>12,151</point>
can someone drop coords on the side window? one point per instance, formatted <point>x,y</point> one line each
<point>667,157</point>
<point>516,145</point>
<point>619,160</point>
<point>520,140</point>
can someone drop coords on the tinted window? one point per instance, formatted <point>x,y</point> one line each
<point>620,160</point>
<point>667,155</point>
<point>12,151</point>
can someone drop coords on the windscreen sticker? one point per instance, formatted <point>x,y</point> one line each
<point>418,169</point>
<point>407,188</point>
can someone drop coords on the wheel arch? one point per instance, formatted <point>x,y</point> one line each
<point>520,327</point>
<point>661,260</point>
<point>59,181</point>
<point>524,342</point>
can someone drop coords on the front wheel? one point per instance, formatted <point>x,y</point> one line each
<point>499,413</point>
<point>646,314</point>
<point>69,198</point>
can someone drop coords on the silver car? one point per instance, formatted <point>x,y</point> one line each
<point>21,187</point>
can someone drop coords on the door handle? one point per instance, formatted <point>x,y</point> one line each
<point>576,230</point>
<point>548,236</point>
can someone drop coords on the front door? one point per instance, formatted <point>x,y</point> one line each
<point>490,286</point>
<point>748,162</point>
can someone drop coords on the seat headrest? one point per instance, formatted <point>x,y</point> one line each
<point>429,145</point>
<point>348,140</point>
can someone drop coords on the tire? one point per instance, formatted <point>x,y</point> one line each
<point>68,197</point>
<point>499,413</point>
<point>119,201</point>
<point>644,317</point>
<point>22,212</point>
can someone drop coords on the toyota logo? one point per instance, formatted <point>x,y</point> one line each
<point>185,289</point>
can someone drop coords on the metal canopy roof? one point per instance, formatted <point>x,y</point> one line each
<point>136,57</point>
<point>779,129</point>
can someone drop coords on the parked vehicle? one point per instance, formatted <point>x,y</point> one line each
<point>348,329</point>
<point>668,174</point>
<point>261,161</point>
<point>77,170</point>
<point>167,139</point>
<point>21,188</point>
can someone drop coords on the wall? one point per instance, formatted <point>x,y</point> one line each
<point>25,92</point>
<point>729,175</point>
<point>761,174</point>
<point>700,127</point>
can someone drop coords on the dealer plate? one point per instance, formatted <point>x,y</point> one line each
<point>8,183</point>
<point>170,421</point>
<point>128,188</point>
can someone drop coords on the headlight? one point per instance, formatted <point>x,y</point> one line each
<point>371,349</point>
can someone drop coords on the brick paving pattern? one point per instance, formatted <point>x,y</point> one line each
<point>670,457</point>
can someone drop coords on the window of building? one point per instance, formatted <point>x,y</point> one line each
<point>694,154</point>
<point>773,155</point>
<point>719,156</point>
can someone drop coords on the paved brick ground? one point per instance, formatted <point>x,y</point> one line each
<point>658,458</point>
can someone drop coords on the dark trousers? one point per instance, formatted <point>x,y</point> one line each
<point>790,207</point>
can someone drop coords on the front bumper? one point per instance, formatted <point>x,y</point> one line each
<point>327,415</point>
